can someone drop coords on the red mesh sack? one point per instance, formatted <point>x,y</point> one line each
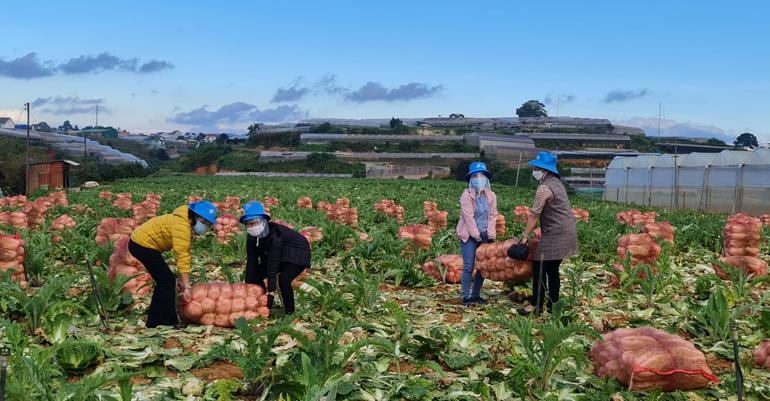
<point>428,207</point>
<point>742,235</point>
<point>123,202</point>
<point>537,233</point>
<point>12,256</point>
<point>271,201</point>
<point>226,227</point>
<point>343,202</point>
<point>417,235</point>
<point>347,216</point>
<point>749,264</point>
<point>765,219</point>
<point>453,265</point>
<point>107,195</point>
<point>35,212</point>
<point>60,198</point>
<point>312,234</point>
<point>144,211</point>
<point>111,229</point>
<point>436,220</point>
<point>16,201</point>
<point>663,230</point>
<point>390,209</point>
<point>122,262</point>
<point>61,223</point>
<point>304,203</point>
<point>643,249</point>
<point>14,219</point>
<point>194,199</point>
<point>580,214</point>
<point>323,206</point>
<point>494,264</point>
<point>521,214</point>
<point>646,358</point>
<point>232,204</point>
<point>762,355</point>
<point>219,304</point>
<point>500,225</point>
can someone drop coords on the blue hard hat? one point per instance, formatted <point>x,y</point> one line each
<point>253,210</point>
<point>545,161</point>
<point>206,210</point>
<point>478,167</point>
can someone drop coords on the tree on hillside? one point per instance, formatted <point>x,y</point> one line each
<point>201,136</point>
<point>746,140</point>
<point>394,122</point>
<point>42,127</point>
<point>715,142</point>
<point>222,139</point>
<point>66,126</point>
<point>254,128</point>
<point>532,108</point>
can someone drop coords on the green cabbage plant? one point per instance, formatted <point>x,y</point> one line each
<point>77,356</point>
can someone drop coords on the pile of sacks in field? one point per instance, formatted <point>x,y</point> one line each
<point>343,202</point>
<point>645,358</point>
<point>61,223</point>
<point>304,203</point>
<point>271,201</point>
<point>323,206</point>
<point>521,214</point>
<point>12,256</point>
<point>494,264</point>
<point>122,262</point>
<point>643,249</point>
<point>13,201</point>
<point>60,198</point>
<point>390,209</point>
<point>580,214</point>
<point>452,265</point>
<point>226,227</point>
<point>219,304</point>
<point>436,218</point>
<point>765,219</point>
<point>111,229</point>
<point>417,235</point>
<point>106,195</point>
<point>663,230</point>
<point>194,199</point>
<point>312,234</point>
<point>148,209</point>
<point>344,215</point>
<point>741,247</point>
<point>231,204</point>
<point>633,217</point>
<point>36,212</point>
<point>123,202</point>
<point>14,219</point>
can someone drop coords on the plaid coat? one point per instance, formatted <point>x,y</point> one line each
<point>558,239</point>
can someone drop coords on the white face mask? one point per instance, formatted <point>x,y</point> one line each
<point>538,175</point>
<point>256,230</point>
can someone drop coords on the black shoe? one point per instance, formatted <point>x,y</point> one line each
<point>479,301</point>
<point>467,302</point>
<point>524,312</point>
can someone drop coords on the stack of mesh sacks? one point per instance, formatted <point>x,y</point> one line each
<point>123,202</point>
<point>494,264</point>
<point>61,223</point>
<point>219,304</point>
<point>226,227</point>
<point>106,195</point>
<point>304,203</point>
<point>13,201</point>
<point>36,212</point>
<point>312,234</point>
<point>645,358</point>
<point>643,249</point>
<point>14,219</point>
<point>148,209</point>
<point>12,256</point>
<point>417,236</point>
<point>194,199</point>
<point>271,201</point>
<point>344,215</point>
<point>122,262</point>
<point>663,230</point>
<point>343,202</point>
<point>390,209</point>
<point>741,246</point>
<point>765,219</point>
<point>323,206</point>
<point>231,204</point>
<point>580,214</point>
<point>60,198</point>
<point>632,218</point>
<point>452,265</point>
<point>436,218</point>
<point>111,229</point>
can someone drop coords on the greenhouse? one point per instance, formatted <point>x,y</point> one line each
<point>731,181</point>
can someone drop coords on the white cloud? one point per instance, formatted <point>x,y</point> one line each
<point>674,128</point>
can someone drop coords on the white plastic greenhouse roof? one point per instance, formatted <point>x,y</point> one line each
<point>644,161</point>
<point>697,159</point>
<point>667,161</point>
<point>621,162</point>
<point>760,157</point>
<point>731,158</point>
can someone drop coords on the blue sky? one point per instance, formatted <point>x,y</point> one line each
<point>219,66</point>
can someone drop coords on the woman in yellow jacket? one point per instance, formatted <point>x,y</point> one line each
<point>164,233</point>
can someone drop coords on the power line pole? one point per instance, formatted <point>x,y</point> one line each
<point>558,104</point>
<point>27,178</point>
<point>660,109</point>
<point>97,117</point>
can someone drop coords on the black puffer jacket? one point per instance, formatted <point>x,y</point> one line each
<point>281,245</point>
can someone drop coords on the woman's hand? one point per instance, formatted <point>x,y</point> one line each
<point>187,295</point>
<point>180,287</point>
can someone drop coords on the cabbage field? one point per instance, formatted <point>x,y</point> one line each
<point>371,322</point>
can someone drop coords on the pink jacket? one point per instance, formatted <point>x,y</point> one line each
<point>466,227</point>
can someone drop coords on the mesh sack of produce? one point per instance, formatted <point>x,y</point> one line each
<point>323,206</point>
<point>500,225</point>
<point>106,195</point>
<point>82,209</point>
<point>283,224</point>
<point>765,219</point>
<point>312,234</point>
<point>417,235</point>
<point>153,199</point>
<point>436,220</point>
<point>271,201</point>
<point>646,358</point>
<point>428,206</point>
<point>579,213</point>
<point>452,265</point>
<point>749,264</point>
<point>231,204</point>
<point>61,223</point>
<point>494,264</point>
<point>219,304</point>
<point>14,219</point>
<point>123,202</point>
<point>742,236</point>
<point>194,199</point>
<point>111,229</point>
<point>343,202</point>
<point>297,282</point>
<point>663,230</point>
<point>537,233</point>
<point>226,227</point>
<point>762,355</point>
<point>16,201</point>
<point>521,213</point>
<point>60,198</point>
<point>12,256</point>
<point>46,201</point>
<point>35,212</point>
<point>144,211</point>
<point>122,262</point>
<point>347,216</point>
<point>390,209</point>
<point>643,249</point>
<point>304,203</point>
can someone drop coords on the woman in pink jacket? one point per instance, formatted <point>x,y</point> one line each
<point>478,215</point>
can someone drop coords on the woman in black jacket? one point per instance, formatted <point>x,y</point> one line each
<point>274,252</point>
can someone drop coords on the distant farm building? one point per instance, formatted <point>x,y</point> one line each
<point>100,133</point>
<point>7,123</point>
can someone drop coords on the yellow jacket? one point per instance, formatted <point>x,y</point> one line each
<point>167,232</point>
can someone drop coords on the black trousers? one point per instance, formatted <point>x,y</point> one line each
<point>549,273</point>
<point>287,272</point>
<point>162,310</point>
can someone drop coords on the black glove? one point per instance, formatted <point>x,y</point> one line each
<point>491,240</point>
<point>269,301</point>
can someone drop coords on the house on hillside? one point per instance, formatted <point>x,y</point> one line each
<point>211,138</point>
<point>155,142</point>
<point>7,123</point>
<point>100,133</point>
